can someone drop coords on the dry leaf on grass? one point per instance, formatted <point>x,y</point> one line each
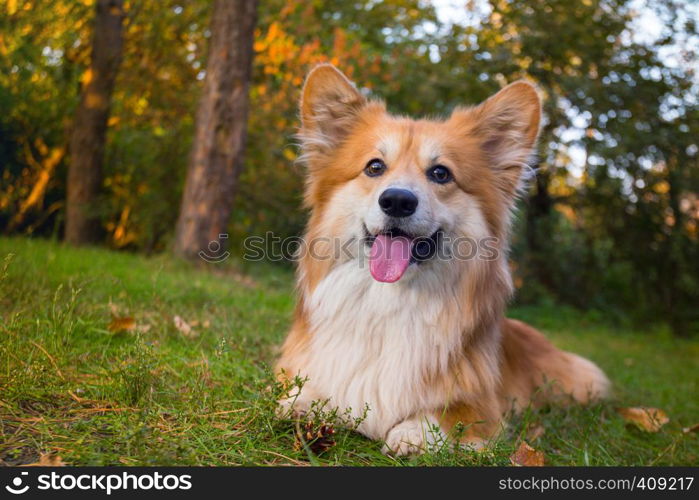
<point>646,419</point>
<point>184,328</point>
<point>691,428</point>
<point>527,456</point>
<point>48,460</point>
<point>123,324</point>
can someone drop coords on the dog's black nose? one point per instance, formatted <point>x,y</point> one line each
<point>398,202</point>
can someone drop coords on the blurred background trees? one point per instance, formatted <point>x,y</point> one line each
<point>89,130</point>
<point>221,129</point>
<point>609,221</point>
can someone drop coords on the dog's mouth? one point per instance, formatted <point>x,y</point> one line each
<point>394,250</point>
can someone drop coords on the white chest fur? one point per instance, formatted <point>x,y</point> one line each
<point>376,343</point>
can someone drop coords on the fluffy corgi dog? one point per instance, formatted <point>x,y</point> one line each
<point>395,314</point>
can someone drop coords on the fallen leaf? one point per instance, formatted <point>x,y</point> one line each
<point>691,428</point>
<point>646,419</point>
<point>123,324</point>
<point>184,328</point>
<point>48,460</point>
<point>527,456</point>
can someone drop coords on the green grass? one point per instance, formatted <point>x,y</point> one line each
<point>153,396</point>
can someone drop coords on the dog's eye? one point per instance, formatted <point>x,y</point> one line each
<point>375,168</point>
<point>439,174</point>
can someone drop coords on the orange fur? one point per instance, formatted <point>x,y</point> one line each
<point>440,349</point>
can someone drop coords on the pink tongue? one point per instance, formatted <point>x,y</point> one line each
<point>389,257</point>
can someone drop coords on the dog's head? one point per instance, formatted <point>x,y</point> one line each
<point>410,188</point>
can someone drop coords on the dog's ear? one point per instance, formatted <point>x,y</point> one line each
<point>329,106</point>
<point>506,127</point>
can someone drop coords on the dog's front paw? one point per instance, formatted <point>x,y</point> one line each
<point>406,438</point>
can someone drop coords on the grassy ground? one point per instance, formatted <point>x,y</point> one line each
<point>155,396</point>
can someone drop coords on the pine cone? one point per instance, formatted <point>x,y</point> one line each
<point>318,438</point>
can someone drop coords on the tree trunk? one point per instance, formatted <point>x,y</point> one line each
<point>90,128</point>
<point>221,127</point>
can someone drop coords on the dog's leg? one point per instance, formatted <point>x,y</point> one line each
<point>534,370</point>
<point>413,436</point>
<point>472,426</point>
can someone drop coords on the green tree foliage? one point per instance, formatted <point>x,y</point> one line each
<point>40,50</point>
<point>609,221</point>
